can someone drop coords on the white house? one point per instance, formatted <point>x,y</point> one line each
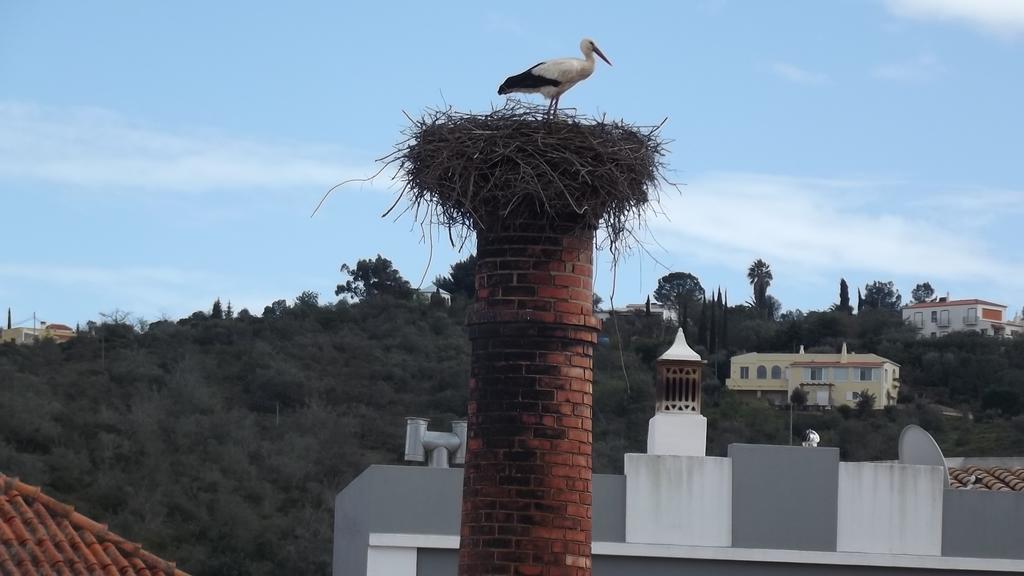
<point>658,310</point>
<point>943,316</point>
<point>429,291</point>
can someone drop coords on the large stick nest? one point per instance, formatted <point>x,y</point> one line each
<point>468,172</point>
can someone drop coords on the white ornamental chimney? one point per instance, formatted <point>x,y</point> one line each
<point>678,428</point>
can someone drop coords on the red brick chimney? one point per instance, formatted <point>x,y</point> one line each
<point>527,489</point>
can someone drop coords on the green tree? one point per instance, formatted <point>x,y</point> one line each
<point>760,276</point>
<point>229,312</point>
<point>597,300</point>
<point>865,402</point>
<point>844,298</point>
<point>703,338</point>
<point>923,292</point>
<point>276,309</point>
<point>218,312</point>
<point>1003,400</point>
<point>799,397</point>
<point>772,307</point>
<point>679,292</point>
<point>725,321</point>
<point>882,296</point>
<point>713,332</point>
<point>308,299</point>
<point>372,278</point>
<point>461,278</point>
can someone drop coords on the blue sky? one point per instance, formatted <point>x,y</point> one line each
<point>156,156</point>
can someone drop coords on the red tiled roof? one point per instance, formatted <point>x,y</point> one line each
<point>953,303</point>
<point>998,479</point>
<point>61,327</point>
<point>41,536</point>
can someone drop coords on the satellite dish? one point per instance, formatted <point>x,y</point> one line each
<point>811,439</point>
<point>918,447</point>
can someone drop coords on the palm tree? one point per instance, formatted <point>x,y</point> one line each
<point>760,276</point>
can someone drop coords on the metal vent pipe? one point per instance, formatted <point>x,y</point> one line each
<point>441,445</point>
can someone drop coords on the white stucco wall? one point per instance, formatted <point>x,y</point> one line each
<point>390,561</point>
<point>677,434</point>
<point>681,500</point>
<point>890,508</point>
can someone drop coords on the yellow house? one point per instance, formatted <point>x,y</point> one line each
<point>828,379</point>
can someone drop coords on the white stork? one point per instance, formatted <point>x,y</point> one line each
<point>553,77</point>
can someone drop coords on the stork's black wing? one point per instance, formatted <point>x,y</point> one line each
<point>525,81</point>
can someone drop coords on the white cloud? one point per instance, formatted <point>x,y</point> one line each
<point>923,67</point>
<point>797,74</point>
<point>823,226</point>
<point>97,148</point>
<point>1002,17</point>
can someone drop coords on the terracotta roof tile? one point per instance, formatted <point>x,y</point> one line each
<point>997,479</point>
<point>42,537</point>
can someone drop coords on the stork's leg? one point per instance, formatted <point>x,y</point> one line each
<point>554,102</point>
<point>551,104</point>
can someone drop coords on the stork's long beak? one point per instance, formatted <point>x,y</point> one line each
<point>601,54</point>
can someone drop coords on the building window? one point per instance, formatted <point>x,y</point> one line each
<point>840,374</point>
<point>933,334</point>
<point>853,396</point>
<point>866,374</point>
<point>815,374</point>
<point>944,318</point>
<point>935,316</point>
<point>919,319</point>
<point>762,373</point>
<point>972,316</point>
<point>776,373</point>
<point>744,372</point>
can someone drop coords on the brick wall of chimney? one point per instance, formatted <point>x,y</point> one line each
<point>527,490</point>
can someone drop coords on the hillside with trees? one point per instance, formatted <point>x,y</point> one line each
<point>220,440</point>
